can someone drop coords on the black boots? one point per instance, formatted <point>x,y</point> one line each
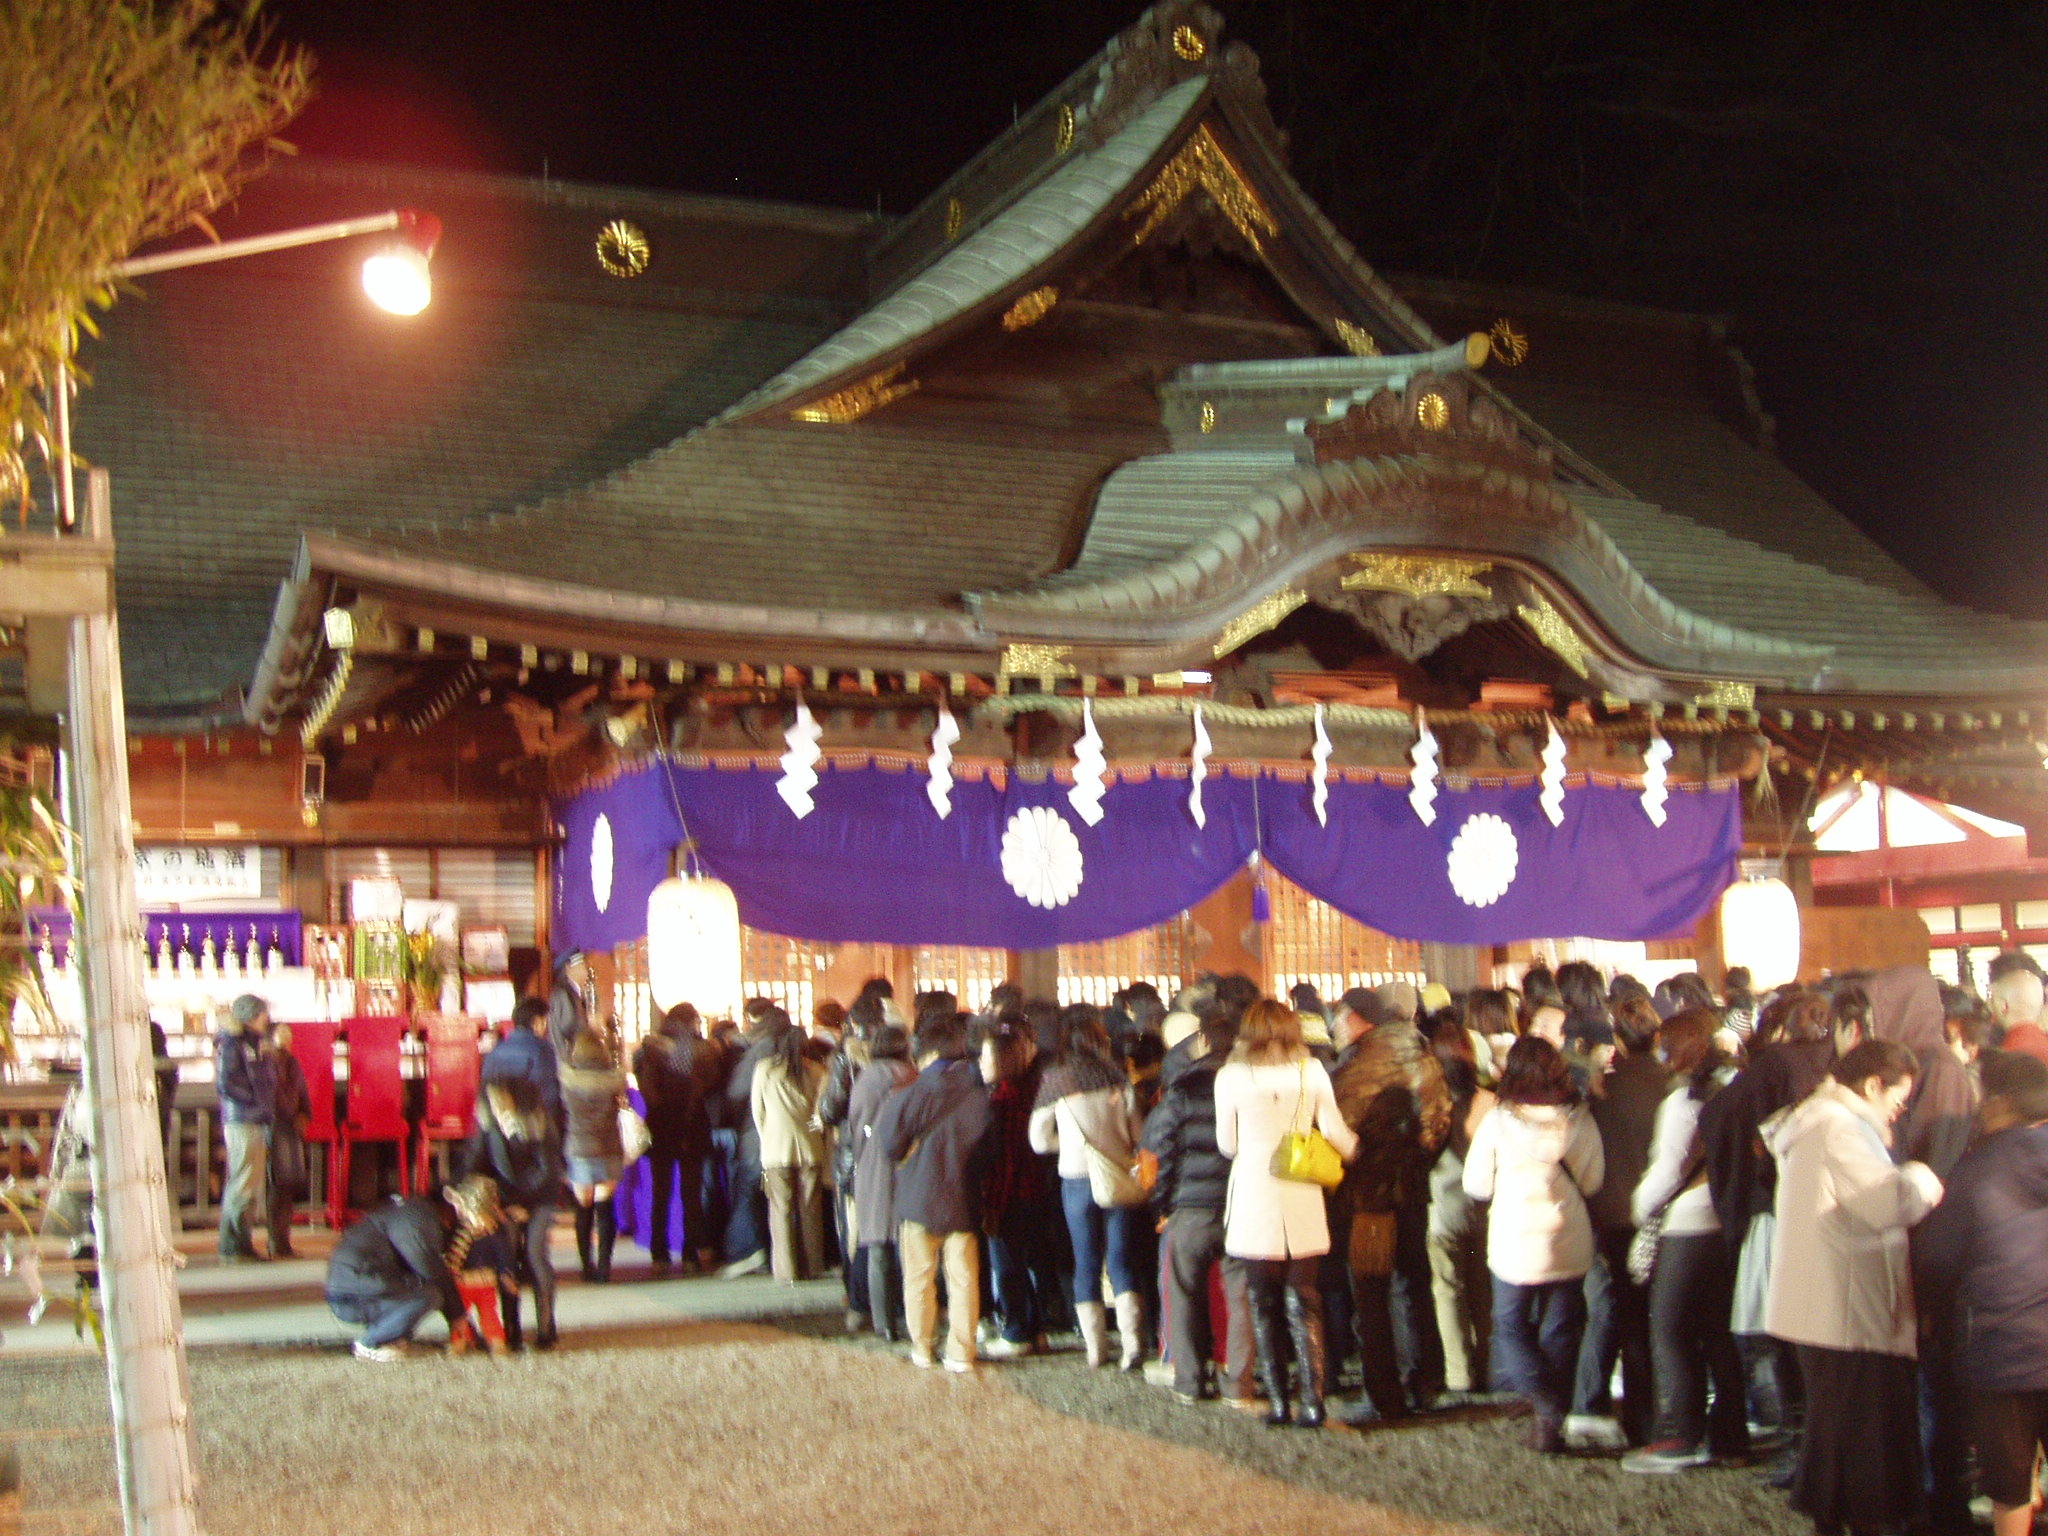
<point>1305,1325</point>
<point>607,1235</point>
<point>584,1217</point>
<point>1270,1346</point>
<point>508,1309</point>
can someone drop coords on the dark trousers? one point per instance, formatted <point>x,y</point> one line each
<point>1690,1297</point>
<point>1945,1422</point>
<point>675,1171</point>
<point>1617,1325</point>
<point>853,1272</point>
<point>389,1317</point>
<point>1401,1354</point>
<point>1101,1238</point>
<point>885,1288</point>
<point>746,1228</point>
<point>1024,1282</point>
<point>1536,1331</point>
<point>1193,1247</point>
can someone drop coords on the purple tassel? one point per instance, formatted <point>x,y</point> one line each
<point>1262,903</point>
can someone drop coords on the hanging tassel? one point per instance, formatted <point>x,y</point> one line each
<point>1552,798</point>
<point>799,763</point>
<point>1656,786</point>
<point>1422,782</point>
<point>1321,777</point>
<point>939,787</point>
<point>1199,772</point>
<point>1262,899</point>
<point>1089,787</point>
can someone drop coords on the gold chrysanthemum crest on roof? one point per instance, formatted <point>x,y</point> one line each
<point>1260,617</point>
<point>1510,342</point>
<point>1417,575</point>
<point>956,217</point>
<point>1357,339</point>
<point>1026,659</point>
<point>1031,308</point>
<point>1556,632</point>
<point>623,249</point>
<point>1203,165</point>
<point>857,400</point>
<point>1063,134</point>
<point>1190,44</point>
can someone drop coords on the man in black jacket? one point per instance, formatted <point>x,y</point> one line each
<point>936,1131</point>
<point>672,1084</point>
<point>390,1270</point>
<point>1194,1182</point>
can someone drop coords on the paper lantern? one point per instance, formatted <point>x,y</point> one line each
<point>1760,929</point>
<point>693,947</point>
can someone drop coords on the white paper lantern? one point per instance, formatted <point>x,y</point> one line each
<point>693,947</point>
<point>1760,929</point>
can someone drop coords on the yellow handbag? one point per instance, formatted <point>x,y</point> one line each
<point>1307,1156</point>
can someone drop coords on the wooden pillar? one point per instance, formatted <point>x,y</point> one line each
<point>1227,941</point>
<point>1458,967</point>
<point>1037,973</point>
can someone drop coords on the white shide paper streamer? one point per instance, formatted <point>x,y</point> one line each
<point>800,762</point>
<point>1089,787</point>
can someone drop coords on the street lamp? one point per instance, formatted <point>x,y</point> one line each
<point>145,1334</point>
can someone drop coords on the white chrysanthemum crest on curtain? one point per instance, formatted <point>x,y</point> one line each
<point>1656,779</point>
<point>1552,799</point>
<point>939,787</point>
<point>800,762</point>
<point>1321,778</point>
<point>1041,857</point>
<point>1422,786</point>
<point>1200,771</point>
<point>1089,786</point>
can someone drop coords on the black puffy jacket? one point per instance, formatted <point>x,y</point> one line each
<point>1181,1133</point>
<point>397,1249</point>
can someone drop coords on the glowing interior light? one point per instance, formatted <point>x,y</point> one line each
<point>397,279</point>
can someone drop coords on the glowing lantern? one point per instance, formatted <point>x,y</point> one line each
<point>1760,929</point>
<point>693,947</point>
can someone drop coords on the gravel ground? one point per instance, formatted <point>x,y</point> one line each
<point>743,1427</point>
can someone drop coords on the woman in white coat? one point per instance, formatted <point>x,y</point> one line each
<point>1537,1157</point>
<point>1842,1290</point>
<point>1277,1228</point>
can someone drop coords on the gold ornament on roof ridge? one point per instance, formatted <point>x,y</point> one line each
<point>1063,135</point>
<point>1358,341</point>
<point>1190,44</point>
<point>1031,308</point>
<point>1509,341</point>
<point>1433,411</point>
<point>622,248</point>
<point>1208,416</point>
<point>1417,575</point>
<point>956,218</point>
<point>1728,695</point>
<point>1202,163</point>
<point>857,400</point>
<point>1256,620</point>
<point>1026,659</point>
<point>1556,633</point>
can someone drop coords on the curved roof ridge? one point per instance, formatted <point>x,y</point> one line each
<point>1005,250</point>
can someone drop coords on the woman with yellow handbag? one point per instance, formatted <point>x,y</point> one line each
<point>1277,1120</point>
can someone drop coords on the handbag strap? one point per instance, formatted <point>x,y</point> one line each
<point>1300,1102</point>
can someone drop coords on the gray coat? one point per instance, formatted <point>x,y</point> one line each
<point>874,1175</point>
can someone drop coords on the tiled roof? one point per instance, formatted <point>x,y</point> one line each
<point>1003,252</point>
<point>240,406</point>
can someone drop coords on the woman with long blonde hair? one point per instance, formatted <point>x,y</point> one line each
<point>1275,1228</point>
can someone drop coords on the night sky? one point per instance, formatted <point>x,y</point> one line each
<point>1862,189</point>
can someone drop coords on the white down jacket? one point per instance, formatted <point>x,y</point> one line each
<point>1840,1277</point>
<point>1537,1163</point>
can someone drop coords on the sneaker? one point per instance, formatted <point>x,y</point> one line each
<point>752,1264</point>
<point>1000,1348</point>
<point>922,1358</point>
<point>1187,1399</point>
<point>1665,1456</point>
<point>1158,1373</point>
<point>857,1321</point>
<point>958,1367</point>
<point>1594,1432</point>
<point>1255,1405</point>
<point>380,1354</point>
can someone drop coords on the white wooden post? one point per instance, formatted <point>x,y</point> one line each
<point>146,1375</point>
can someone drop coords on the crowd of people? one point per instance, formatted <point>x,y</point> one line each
<point>1803,1230</point>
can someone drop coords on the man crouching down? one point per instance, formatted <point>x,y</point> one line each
<point>409,1257</point>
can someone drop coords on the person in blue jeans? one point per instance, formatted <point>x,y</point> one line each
<point>1015,1202</point>
<point>1085,1100</point>
<point>1536,1157</point>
